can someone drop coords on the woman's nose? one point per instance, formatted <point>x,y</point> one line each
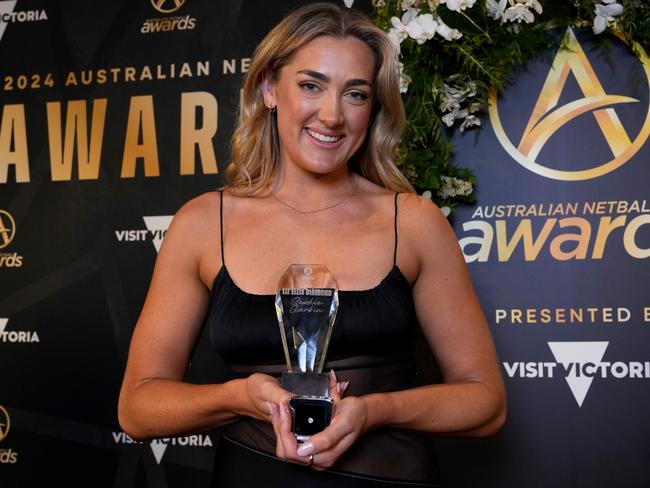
<point>330,112</point>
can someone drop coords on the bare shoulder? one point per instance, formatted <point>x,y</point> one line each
<point>198,211</point>
<point>425,229</point>
<point>421,215</point>
<point>194,223</point>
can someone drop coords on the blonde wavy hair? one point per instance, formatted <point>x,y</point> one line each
<point>255,146</point>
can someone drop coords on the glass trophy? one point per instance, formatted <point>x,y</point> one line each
<point>306,304</point>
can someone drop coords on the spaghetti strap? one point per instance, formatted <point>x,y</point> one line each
<point>395,225</point>
<point>223,261</point>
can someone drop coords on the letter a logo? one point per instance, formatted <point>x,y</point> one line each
<point>548,116</point>
<point>5,423</point>
<point>7,228</point>
<point>163,6</point>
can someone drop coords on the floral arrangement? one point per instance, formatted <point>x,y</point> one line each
<point>453,51</point>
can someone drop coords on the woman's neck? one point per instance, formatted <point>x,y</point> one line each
<point>310,193</point>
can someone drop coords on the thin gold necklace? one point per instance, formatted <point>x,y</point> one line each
<point>308,211</point>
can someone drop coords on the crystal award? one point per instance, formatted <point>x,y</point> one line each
<point>306,303</point>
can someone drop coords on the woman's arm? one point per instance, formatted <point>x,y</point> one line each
<point>154,400</point>
<point>471,401</point>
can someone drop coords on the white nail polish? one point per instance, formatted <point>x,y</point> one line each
<point>305,449</point>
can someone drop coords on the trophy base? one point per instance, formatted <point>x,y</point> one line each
<point>311,408</point>
<point>309,415</point>
<point>306,384</point>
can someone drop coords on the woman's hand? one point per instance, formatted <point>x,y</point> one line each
<point>323,449</point>
<point>261,392</point>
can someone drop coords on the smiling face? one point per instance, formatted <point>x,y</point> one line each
<point>324,98</point>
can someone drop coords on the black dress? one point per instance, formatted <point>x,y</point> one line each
<point>371,346</point>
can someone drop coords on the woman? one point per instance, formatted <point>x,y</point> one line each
<point>313,181</point>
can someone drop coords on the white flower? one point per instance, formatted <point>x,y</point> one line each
<point>422,28</point>
<point>452,99</point>
<point>407,4</point>
<point>404,79</point>
<point>447,32</point>
<point>452,187</point>
<point>535,5</point>
<point>398,30</point>
<point>469,121</point>
<point>518,10</point>
<point>600,24</point>
<point>605,15</point>
<point>409,15</point>
<point>451,117</point>
<point>496,8</point>
<point>453,96</point>
<point>517,13</point>
<point>458,5</point>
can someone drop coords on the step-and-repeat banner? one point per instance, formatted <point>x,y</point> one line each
<point>113,114</point>
<point>558,247</point>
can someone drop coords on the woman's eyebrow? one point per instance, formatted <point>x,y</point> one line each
<point>314,74</point>
<point>320,76</point>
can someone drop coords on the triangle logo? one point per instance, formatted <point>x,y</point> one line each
<point>158,225</point>
<point>3,324</point>
<point>6,8</point>
<point>158,448</point>
<point>573,356</point>
<point>348,3</point>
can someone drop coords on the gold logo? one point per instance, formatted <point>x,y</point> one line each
<point>5,423</point>
<point>547,117</point>
<point>167,6</point>
<point>7,228</point>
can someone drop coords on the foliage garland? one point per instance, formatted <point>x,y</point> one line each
<point>454,51</point>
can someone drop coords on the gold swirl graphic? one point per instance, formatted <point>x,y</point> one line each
<point>547,118</point>
<point>5,423</point>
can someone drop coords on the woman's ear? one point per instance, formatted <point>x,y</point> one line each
<point>268,93</point>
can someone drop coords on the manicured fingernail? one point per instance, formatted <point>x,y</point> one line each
<point>305,449</point>
<point>333,374</point>
<point>344,385</point>
<point>269,407</point>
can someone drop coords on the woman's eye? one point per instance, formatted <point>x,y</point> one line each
<point>358,96</point>
<point>312,87</point>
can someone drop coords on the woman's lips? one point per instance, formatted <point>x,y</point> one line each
<point>323,138</point>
